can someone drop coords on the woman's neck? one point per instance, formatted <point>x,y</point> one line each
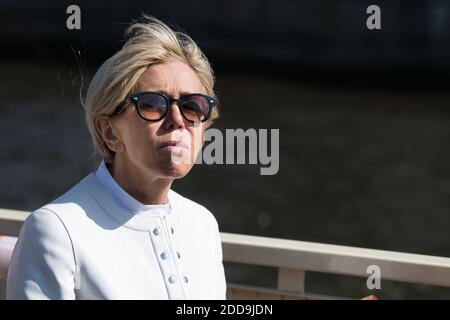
<point>146,189</point>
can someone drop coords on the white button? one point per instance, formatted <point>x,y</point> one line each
<point>156,231</point>
<point>172,279</point>
<point>164,255</point>
<point>185,279</point>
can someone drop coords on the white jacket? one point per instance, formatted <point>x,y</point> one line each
<point>85,246</point>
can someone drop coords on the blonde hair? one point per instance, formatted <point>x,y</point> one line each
<point>149,41</point>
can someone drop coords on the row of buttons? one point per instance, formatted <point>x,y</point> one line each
<point>173,279</point>
<point>165,255</point>
<point>157,231</point>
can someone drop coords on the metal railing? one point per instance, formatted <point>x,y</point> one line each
<point>294,259</point>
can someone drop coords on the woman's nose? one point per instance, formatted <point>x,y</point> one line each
<point>174,119</point>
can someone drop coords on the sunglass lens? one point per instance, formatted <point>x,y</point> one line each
<point>152,106</point>
<point>195,107</point>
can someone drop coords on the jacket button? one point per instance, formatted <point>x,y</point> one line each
<point>172,279</point>
<point>156,231</point>
<point>164,255</point>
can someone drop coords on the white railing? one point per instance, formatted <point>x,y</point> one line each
<point>295,258</point>
<point>11,221</point>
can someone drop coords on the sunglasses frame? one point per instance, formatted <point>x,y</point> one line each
<point>134,98</point>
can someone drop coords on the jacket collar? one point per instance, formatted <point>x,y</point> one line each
<point>141,221</point>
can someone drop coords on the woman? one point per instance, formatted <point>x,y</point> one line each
<point>122,232</point>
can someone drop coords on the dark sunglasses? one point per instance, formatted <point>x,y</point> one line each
<point>154,106</point>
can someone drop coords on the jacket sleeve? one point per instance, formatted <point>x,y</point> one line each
<point>43,263</point>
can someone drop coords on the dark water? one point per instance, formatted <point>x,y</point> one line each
<point>359,166</point>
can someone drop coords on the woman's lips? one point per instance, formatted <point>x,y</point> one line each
<point>173,146</point>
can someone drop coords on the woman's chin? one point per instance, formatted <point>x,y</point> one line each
<point>175,170</point>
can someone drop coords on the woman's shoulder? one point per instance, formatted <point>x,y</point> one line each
<point>45,222</point>
<point>72,200</point>
<point>42,232</point>
<point>70,207</point>
<point>196,210</point>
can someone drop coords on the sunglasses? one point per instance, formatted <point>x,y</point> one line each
<point>154,106</point>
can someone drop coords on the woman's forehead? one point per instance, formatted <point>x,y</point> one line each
<point>170,77</point>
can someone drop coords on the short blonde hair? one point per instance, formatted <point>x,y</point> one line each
<point>148,41</point>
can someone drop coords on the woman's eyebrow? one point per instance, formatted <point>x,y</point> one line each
<point>182,93</point>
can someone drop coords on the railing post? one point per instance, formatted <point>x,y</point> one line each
<point>292,280</point>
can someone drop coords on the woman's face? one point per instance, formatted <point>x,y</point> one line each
<point>144,143</point>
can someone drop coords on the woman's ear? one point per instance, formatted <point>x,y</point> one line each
<point>106,130</point>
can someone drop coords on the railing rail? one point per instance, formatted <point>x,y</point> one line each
<point>295,258</point>
<point>11,221</point>
<point>327,258</point>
